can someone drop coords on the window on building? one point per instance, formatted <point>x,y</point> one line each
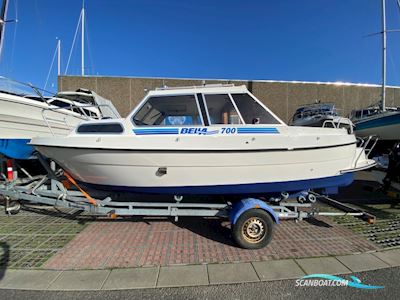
<point>251,111</point>
<point>221,110</point>
<point>169,111</point>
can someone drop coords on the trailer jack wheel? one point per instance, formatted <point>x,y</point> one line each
<point>253,229</point>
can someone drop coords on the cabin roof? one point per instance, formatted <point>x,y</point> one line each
<point>210,88</point>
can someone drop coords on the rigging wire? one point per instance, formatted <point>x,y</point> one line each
<point>73,43</point>
<point>51,67</point>
<point>88,45</point>
<point>393,64</point>
<point>14,34</point>
<point>8,63</point>
<point>4,9</point>
<point>398,4</point>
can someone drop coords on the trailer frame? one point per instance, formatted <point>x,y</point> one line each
<point>51,190</point>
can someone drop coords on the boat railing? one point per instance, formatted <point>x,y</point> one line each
<point>337,124</point>
<point>60,121</point>
<point>83,115</point>
<point>329,122</point>
<point>367,144</point>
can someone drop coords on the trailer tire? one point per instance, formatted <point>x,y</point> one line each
<point>253,229</point>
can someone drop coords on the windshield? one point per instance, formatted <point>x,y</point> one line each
<point>169,111</point>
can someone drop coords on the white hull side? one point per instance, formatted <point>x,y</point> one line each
<point>23,119</point>
<point>139,168</point>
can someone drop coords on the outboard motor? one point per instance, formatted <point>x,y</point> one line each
<point>393,170</point>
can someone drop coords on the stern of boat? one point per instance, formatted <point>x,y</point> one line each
<point>361,159</point>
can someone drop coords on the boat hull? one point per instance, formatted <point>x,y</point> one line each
<point>24,120</point>
<point>16,148</point>
<point>329,184</point>
<point>206,172</point>
<point>384,126</point>
<point>21,119</point>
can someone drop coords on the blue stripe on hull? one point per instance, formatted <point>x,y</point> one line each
<point>379,122</point>
<point>257,130</point>
<point>238,189</point>
<point>16,148</point>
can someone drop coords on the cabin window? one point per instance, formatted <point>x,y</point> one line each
<point>100,128</point>
<point>90,113</point>
<point>251,111</point>
<point>169,111</point>
<point>77,110</point>
<point>61,104</point>
<point>221,109</point>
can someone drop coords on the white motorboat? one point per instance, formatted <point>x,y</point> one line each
<point>25,113</point>
<point>205,140</point>
<point>320,115</point>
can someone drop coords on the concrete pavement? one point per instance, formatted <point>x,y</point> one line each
<point>279,289</point>
<point>195,275</point>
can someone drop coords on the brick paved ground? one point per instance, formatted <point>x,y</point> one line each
<point>46,238</point>
<point>114,244</point>
<point>30,238</point>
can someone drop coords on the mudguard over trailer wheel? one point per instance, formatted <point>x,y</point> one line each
<point>253,229</point>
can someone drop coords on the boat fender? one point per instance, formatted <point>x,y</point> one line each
<point>250,203</point>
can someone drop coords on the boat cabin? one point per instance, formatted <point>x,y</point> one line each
<point>356,115</point>
<point>312,110</point>
<point>202,106</point>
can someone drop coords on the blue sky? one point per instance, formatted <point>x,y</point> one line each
<point>310,40</point>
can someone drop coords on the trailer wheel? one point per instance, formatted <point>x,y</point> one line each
<point>253,229</point>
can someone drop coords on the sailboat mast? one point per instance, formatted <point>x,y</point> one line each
<point>83,40</point>
<point>383,103</point>
<point>3,14</point>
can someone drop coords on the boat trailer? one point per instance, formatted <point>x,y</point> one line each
<point>251,219</point>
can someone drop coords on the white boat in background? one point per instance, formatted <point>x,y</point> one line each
<point>90,103</point>
<point>205,140</point>
<point>25,113</point>
<point>320,115</point>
